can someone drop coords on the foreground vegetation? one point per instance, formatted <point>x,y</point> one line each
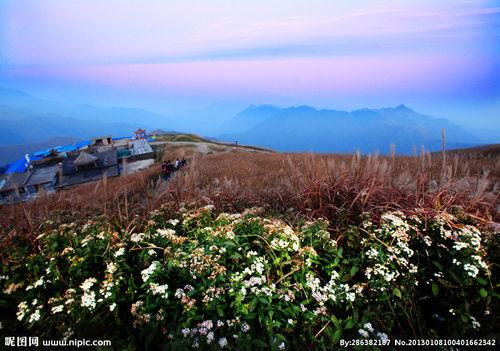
<point>241,281</point>
<point>342,246</point>
<point>336,187</point>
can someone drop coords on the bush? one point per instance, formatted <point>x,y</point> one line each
<point>241,281</point>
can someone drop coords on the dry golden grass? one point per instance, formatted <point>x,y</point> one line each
<point>337,187</point>
<point>121,199</point>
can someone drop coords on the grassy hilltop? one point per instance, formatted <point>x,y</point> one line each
<point>247,248</point>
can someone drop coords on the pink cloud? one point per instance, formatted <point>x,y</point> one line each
<point>301,77</point>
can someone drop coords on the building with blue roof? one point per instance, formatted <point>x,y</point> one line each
<point>52,168</point>
<point>19,166</point>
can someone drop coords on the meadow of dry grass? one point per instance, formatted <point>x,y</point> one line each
<point>337,187</point>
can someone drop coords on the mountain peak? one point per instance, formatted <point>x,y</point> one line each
<point>303,108</point>
<point>253,107</point>
<point>403,107</point>
<point>249,117</point>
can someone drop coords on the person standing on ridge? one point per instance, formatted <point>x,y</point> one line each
<point>165,169</point>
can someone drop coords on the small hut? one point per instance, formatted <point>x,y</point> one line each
<point>106,140</point>
<point>85,161</point>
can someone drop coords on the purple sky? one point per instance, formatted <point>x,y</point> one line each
<point>440,57</point>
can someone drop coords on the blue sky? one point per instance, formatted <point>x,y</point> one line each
<point>440,57</point>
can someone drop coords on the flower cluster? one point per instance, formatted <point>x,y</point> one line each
<point>227,281</point>
<point>88,296</point>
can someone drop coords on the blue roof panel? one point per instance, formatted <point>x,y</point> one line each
<point>82,144</point>
<point>67,148</point>
<point>18,166</point>
<point>41,152</point>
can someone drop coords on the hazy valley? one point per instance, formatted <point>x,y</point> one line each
<point>26,120</point>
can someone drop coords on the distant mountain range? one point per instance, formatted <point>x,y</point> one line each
<point>26,121</point>
<point>21,126</point>
<point>29,124</point>
<point>250,117</point>
<point>305,128</point>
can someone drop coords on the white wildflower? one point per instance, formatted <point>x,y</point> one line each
<point>222,342</point>
<point>363,333</point>
<point>427,240</point>
<point>88,300</point>
<point>35,316</point>
<point>88,283</point>
<point>110,267</point>
<point>471,270</point>
<point>22,310</point>
<point>57,309</point>
<point>166,233</point>
<point>120,252</point>
<point>146,273</point>
<point>210,337</point>
<point>137,237</point>
<point>245,327</point>
<point>382,336</point>
<point>475,323</point>
<point>39,282</point>
<point>159,289</point>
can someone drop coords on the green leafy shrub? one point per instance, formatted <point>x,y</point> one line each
<point>241,281</point>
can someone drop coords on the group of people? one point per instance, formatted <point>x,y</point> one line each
<point>168,167</point>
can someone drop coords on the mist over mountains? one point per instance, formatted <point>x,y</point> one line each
<point>27,122</point>
<point>25,119</point>
<point>305,128</point>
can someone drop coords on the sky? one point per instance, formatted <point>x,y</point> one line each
<point>178,57</point>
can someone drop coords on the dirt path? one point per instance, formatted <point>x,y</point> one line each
<point>202,148</point>
<point>206,148</point>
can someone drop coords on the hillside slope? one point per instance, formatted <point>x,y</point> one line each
<point>484,151</point>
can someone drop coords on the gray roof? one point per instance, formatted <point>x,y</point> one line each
<point>85,159</point>
<point>42,175</point>
<point>105,158</point>
<point>107,166</point>
<point>89,175</point>
<point>3,180</point>
<point>14,181</point>
<point>141,146</point>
